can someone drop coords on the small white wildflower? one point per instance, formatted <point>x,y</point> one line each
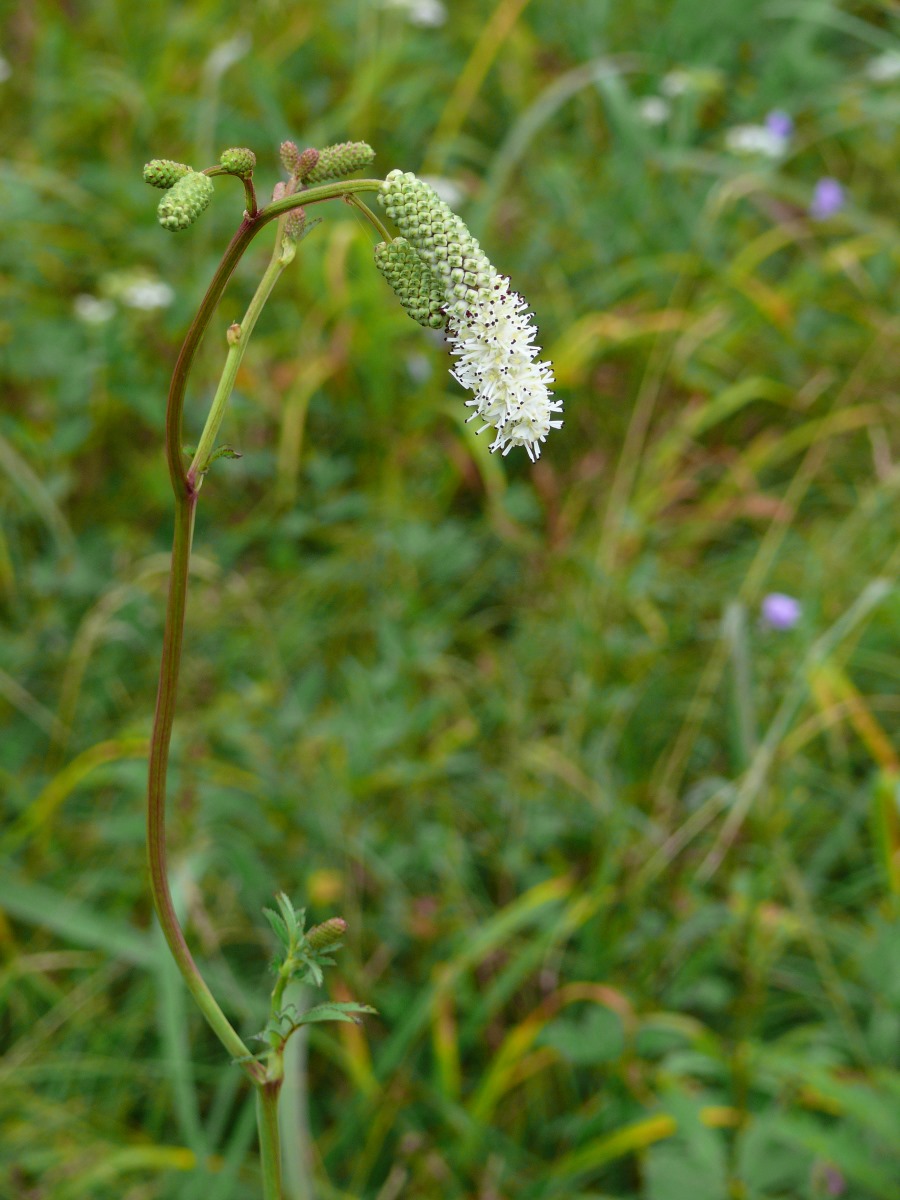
<point>755,139</point>
<point>226,54</point>
<point>427,14</point>
<point>493,343</point>
<point>654,110</point>
<point>885,67</point>
<point>93,310</point>
<point>701,81</point>
<point>136,289</point>
<point>5,69</point>
<point>147,294</point>
<point>676,82</point>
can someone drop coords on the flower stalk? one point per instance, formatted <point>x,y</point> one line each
<point>444,280</point>
<point>186,483</point>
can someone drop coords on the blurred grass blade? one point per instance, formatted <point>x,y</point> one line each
<point>42,906</point>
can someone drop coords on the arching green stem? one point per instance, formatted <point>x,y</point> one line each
<point>185,485</point>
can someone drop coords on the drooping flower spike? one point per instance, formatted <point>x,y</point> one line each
<point>183,203</point>
<point>489,329</point>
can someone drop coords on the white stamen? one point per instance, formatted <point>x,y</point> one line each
<point>493,343</point>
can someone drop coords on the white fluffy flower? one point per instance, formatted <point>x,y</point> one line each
<point>654,110</point>
<point>755,139</point>
<point>93,310</point>
<point>147,294</point>
<point>885,68</point>
<point>493,342</point>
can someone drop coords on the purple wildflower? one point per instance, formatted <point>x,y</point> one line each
<point>828,199</point>
<point>780,611</point>
<point>834,1182</point>
<point>780,123</point>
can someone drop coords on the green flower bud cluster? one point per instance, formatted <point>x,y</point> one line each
<point>440,238</point>
<point>185,201</point>
<point>334,162</point>
<point>306,162</point>
<point>290,157</point>
<point>326,935</point>
<point>239,161</point>
<point>417,289</point>
<point>163,173</point>
<point>294,223</point>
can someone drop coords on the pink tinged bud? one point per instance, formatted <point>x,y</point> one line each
<point>294,222</point>
<point>290,157</point>
<point>320,937</point>
<point>307,162</point>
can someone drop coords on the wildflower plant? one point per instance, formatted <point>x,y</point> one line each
<point>443,279</point>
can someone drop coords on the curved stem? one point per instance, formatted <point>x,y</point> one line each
<point>236,350</point>
<point>322,191</point>
<point>246,232</point>
<point>247,181</point>
<point>371,217</point>
<point>185,485</point>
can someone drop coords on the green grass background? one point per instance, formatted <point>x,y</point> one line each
<point>620,864</point>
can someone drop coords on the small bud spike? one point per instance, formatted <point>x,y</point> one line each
<point>164,173</point>
<point>294,223</point>
<point>239,160</point>
<point>320,937</point>
<point>290,156</point>
<point>416,287</point>
<point>306,162</point>
<point>184,202</point>
<point>336,161</point>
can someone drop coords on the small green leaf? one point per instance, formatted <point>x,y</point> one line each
<point>224,452</point>
<point>279,927</point>
<point>294,919</point>
<point>348,1011</point>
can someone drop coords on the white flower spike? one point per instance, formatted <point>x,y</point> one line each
<point>489,329</point>
<point>493,343</point>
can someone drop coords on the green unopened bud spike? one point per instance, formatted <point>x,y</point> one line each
<point>439,237</point>
<point>336,161</point>
<point>183,203</point>
<point>164,173</point>
<point>418,290</point>
<point>320,937</point>
<point>239,160</point>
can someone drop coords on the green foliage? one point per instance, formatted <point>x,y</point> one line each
<point>302,956</point>
<point>619,863</point>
